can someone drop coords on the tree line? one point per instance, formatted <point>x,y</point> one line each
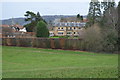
<point>101,33</point>
<point>102,29</point>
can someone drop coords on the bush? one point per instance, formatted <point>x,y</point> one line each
<point>93,39</point>
<point>42,30</point>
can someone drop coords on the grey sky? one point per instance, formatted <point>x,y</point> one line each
<point>18,9</point>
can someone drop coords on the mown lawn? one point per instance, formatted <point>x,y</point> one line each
<point>19,62</point>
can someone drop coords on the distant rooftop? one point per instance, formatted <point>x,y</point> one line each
<point>69,24</point>
<point>16,25</point>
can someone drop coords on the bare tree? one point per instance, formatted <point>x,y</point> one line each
<point>110,30</point>
<point>112,17</point>
<point>93,38</point>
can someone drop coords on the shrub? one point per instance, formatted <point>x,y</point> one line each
<point>92,39</point>
<point>42,30</point>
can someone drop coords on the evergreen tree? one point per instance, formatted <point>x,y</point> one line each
<point>109,9</point>
<point>38,17</point>
<point>42,30</point>
<point>107,4</point>
<point>31,26</point>
<point>94,13</point>
<point>81,18</point>
<point>32,19</point>
<point>78,15</point>
<point>108,24</point>
<point>30,16</point>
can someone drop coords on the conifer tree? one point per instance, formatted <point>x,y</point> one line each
<point>78,15</point>
<point>107,4</point>
<point>94,13</point>
<point>38,17</point>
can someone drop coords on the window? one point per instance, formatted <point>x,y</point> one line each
<point>68,28</point>
<point>60,32</point>
<point>68,32</point>
<point>74,27</point>
<point>74,32</point>
<point>58,28</point>
<point>61,28</point>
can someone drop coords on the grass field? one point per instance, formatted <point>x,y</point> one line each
<point>21,62</point>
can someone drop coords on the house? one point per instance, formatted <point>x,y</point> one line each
<point>5,30</point>
<point>18,27</point>
<point>12,31</point>
<point>51,31</point>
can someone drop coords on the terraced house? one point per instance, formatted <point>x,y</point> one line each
<point>67,28</point>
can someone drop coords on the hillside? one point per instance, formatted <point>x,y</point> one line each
<point>22,22</point>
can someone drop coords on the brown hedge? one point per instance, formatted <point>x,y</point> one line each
<point>53,43</point>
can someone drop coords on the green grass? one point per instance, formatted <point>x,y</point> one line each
<point>19,62</point>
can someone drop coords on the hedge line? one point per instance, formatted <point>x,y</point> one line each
<point>58,43</point>
<point>54,43</point>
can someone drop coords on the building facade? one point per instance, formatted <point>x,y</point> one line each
<point>67,28</point>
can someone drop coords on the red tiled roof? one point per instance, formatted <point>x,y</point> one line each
<point>85,20</point>
<point>19,26</point>
<point>4,26</point>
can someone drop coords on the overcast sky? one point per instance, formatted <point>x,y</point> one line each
<point>17,8</point>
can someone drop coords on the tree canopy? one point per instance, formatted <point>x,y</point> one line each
<point>94,13</point>
<point>32,20</point>
<point>42,30</point>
